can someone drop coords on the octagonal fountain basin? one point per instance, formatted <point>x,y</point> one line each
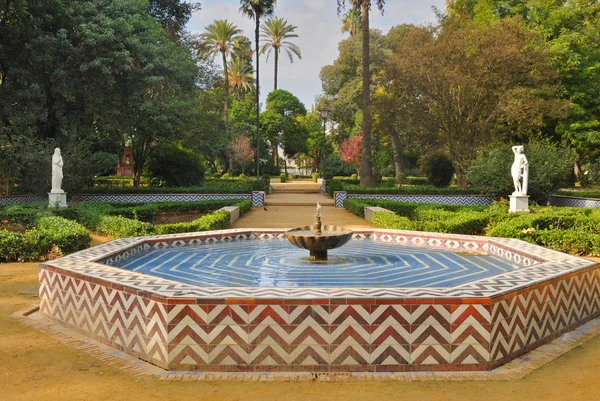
<point>247,300</point>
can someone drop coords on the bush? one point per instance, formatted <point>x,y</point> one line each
<point>120,227</point>
<point>413,190</point>
<point>27,215</point>
<point>282,177</point>
<point>334,186</point>
<point>354,176</point>
<point>266,178</point>
<point>226,176</point>
<point>52,231</point>
<point>242,176</point>
<point>12,246</point>
<point>67,235</point>
<point>315,177</point>
<point>392,221</point>
<point>438,169</point>
<point>215,221</point>
<point>175,166</point>
<point>415,181</point>
<point>550,167</point>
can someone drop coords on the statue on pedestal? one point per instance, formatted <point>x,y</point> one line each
<point>57,173</point>
<point>520,171</point>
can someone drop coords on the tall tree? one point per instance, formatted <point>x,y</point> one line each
<point>275,32</point>
<point>469,86</point>
<point>570,30</point>
<point>280,123</point>
<point>256,9</point>
<point>221,37</point>
<point>241,79</point>
<point>352,22</point>
<point>366,162</point>
<point>172,15</point>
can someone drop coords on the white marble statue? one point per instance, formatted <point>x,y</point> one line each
<point>520,171</point>
<point>57,173</point>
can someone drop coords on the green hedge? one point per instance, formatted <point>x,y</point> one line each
<point>209,187</point>
<point>51,232</point>
<point>214,221</point>
<point>120,227</point>
<point>393,221</point>
<point>571,230</point>
<point>579,194</point>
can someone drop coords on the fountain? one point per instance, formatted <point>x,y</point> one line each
<point>318,238</point>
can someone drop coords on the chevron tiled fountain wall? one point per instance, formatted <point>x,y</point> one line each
<point>474,326</point>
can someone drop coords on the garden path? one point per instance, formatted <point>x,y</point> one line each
<point>292,204</point>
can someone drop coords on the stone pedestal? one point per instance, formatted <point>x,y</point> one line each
<point>519,204</point>
<point>57,199</point>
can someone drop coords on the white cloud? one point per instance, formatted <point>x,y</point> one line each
<point>319,33</point>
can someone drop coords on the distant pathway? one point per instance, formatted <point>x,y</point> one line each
<point>293,204</point>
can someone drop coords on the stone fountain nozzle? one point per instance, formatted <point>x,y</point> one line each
<point>317,227</point>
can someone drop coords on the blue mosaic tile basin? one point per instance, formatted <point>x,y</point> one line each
<point>280,264</point>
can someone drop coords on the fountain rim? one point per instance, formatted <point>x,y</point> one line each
<point>94,264</point>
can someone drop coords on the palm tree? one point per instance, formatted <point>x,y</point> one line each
<point>241,79</point>
<point>222,37</point>
<point>256,9</point>
<point>275,31</point>
<point>366,162</point>
<point>352,22</point>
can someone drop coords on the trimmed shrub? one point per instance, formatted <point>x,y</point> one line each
<point>242,176</point>
<point>354,177</point>
<point>12,246</point>
<point>414,190</point>
<point>67,235</point>
<point>120,227</point>
<point>174,166</point>
<point>226,176</point>
<point>315,177</point>
<point>334,186</point>
<point>215,221</point>
<point>392,221</point>
<point>415,181</point>
<point>27,215</point>
<point>282,177</point>
<point>438,169</point>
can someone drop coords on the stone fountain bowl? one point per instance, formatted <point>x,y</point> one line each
<point>331,237</point>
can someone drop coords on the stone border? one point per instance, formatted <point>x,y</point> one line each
<point>538,265</point>
<point>573,201</point>
<point>513,370</point>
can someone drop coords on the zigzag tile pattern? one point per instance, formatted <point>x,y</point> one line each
<point>476,325</point>
<point>114,198</point>
<point>462,200</point>
<point>129,322</point>
<point>21,199</point>
<point>539,315</point>
<point>569,201</point>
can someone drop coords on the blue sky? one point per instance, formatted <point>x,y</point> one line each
<point>319,33</point>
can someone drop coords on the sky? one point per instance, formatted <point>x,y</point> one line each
<point>318,36</point>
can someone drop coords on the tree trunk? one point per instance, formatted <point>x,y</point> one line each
<point>225,113</point>
<point>397,151</point>
<point>257,98</point>
<point>276,62</point>
<point>275,156</point>
<point>577,170</point>
<point>366,164</point>
<point>461,178</point>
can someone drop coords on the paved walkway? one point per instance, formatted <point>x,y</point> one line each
<point>290,206</point>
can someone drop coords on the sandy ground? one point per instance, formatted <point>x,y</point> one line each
<point>35,366</point>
